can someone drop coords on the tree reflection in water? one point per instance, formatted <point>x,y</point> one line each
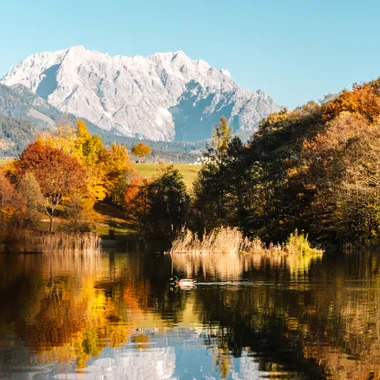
<point>295,319</point>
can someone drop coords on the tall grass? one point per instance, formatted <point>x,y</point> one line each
<point>221,240</point>
<point>74,243</point>
<point>226,253</point>
<point>28,241</point>
<point>230,240</point>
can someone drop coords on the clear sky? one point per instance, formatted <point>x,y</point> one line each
<point>295,50</point>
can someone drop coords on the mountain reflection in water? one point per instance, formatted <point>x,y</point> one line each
<point>115,316</point>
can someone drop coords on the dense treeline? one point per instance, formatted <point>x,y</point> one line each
<point>316,168</point>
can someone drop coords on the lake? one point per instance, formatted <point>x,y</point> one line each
<point>117,317</point>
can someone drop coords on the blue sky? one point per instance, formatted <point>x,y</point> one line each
<point>295,50</point>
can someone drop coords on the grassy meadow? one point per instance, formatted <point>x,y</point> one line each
<point>4,162</point>
<point>189,172</point>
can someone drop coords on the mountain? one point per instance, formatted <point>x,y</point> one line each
<point>19,102</point>
<point>15,135</point>
<point>23,114</point>
<point>167,96</point>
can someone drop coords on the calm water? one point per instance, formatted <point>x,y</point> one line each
<point>117,318</point>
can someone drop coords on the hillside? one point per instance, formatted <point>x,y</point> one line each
<point>15,134</point>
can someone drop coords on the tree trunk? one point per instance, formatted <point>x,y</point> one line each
<point>51,223</point>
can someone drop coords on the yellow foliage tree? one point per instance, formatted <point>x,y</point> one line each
<point>141,150</point>
<point>103,166</point>
<point>222,135</point>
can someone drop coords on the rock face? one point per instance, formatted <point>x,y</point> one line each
<point>166,96</point>
<point>19,102</point>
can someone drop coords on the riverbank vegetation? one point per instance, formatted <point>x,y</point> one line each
<point>314,169</point>
<point>61,243</point>
<point>231,241</point>
<point>63,174</point>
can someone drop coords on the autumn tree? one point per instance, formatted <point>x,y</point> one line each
<point>30,191</point>
<point>221,136</point>
<point>141,150</point>
<point>315,168</point>
<point>11,203</point>
<point>58,174</point>
<point>363,99</point>
<point>343,170</point>
<point>103,166</point>
<point>77,214</point>
<point>126,179</point>
<point>116,163</point>
<point>136,201</point>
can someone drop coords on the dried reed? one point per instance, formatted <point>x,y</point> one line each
<point>225,252</point>
<point>231,240</point>
<point>221,240</point>
<point>28,241</point>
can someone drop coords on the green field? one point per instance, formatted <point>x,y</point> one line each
<point>4,162</point>
<point>189,172</point>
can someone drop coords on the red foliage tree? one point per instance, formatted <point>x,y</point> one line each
<point>58,174</point>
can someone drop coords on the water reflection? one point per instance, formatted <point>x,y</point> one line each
<point>116,317</point>
<point>226,266</point>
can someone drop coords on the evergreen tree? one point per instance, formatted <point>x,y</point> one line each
<point>168,205</point>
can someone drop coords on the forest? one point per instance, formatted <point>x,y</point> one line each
<point>314,169</point>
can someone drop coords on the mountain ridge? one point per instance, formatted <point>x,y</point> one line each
<point>165,96</point>
<point>23,115</point>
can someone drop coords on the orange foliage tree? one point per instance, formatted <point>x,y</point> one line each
<point>131,192</point>
<point>141,150</point>
<point>363,99</point>
<point>58,174</point>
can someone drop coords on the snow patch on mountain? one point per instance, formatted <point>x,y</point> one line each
<point>165,96</point>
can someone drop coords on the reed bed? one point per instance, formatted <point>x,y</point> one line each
<point>226,253</point>
<point>28,241</point>
<point>221,240</point>
<point>226,240</point>
<point>74,243</point>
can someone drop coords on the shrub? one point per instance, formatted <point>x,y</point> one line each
<point>300,245</point>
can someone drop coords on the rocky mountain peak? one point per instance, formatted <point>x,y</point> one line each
<point>165,96</point>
